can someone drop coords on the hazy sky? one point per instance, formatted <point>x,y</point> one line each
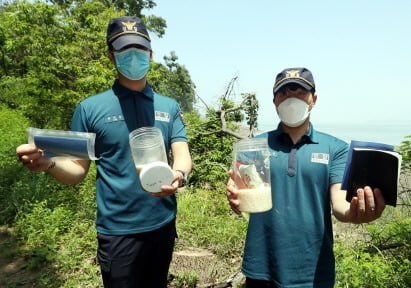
<point>358,50</point>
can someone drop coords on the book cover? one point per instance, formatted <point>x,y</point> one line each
<point>374,164</point>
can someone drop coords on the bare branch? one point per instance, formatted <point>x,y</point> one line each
<point>202,101</point>
<point>226,131</point>
<point>232,133</point>
<point>230,87</point>
<point>247,103</point>
<point>224,112</point>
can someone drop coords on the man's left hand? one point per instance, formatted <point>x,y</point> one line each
<point>367,206</point>
<point>167,190</point>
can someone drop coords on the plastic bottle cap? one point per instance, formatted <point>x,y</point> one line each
<point>155,175</point>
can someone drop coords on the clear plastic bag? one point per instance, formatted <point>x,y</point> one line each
<point>59,143</point>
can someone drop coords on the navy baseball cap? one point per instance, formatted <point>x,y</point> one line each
<point>301,76</point>
<point>127,30</point>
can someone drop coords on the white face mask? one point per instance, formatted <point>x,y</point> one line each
<point>293,111</point>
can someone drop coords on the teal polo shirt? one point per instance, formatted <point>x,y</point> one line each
<point>122,205</point>
<point>292,244</point>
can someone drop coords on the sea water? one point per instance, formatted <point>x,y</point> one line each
<point>387,132</point>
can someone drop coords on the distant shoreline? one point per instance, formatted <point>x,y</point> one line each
<point>392,133</point>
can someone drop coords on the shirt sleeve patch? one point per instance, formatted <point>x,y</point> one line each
<point>320,158</point>
<point>162,116</point>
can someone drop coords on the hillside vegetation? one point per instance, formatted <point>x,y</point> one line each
<point>51,236</point>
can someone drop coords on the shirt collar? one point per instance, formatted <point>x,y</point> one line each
<point>312,134</point>
<point>122,91</point>
<point>309,137</point>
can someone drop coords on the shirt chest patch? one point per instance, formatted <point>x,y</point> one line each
<point>162,116</point>
<point>114,118</point>
<point>274,154</point>
<point>322,158</point>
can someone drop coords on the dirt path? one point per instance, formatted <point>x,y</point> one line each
<point>13,272</point>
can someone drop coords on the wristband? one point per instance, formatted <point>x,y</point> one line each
<point>184,180</point>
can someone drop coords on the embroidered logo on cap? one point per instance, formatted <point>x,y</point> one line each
<point>292,74</point>
<point>129,26</point>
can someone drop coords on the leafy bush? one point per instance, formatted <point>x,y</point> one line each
<point>58,231</point>
<point>393,237</point>
<point>357,268</point>
<point>42,229</point>
<point>405,149</point>
<point>211,151</point>
<point>13,133</point>
<point>378,255</point>
<point>404,196</point>
<point>76,260</point>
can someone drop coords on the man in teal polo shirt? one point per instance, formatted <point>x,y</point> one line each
<point>136,229</point>
<point>292,244</point>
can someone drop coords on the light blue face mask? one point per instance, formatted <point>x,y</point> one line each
<point>133,63</point>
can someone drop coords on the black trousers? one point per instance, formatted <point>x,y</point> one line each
<point>252,283</point>
<point>138,260</point>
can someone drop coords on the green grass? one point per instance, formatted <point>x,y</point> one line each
<point>205,220</point>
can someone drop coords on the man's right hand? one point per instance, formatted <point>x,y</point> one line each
<point>32,157</point>
<point>232,194</point>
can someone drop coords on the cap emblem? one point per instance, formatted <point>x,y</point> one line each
<point>292,74</point>
<point>129,26</point>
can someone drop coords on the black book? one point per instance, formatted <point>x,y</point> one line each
<point>373,164</point>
